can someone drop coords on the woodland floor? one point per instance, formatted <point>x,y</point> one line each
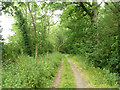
<point>78,79</point>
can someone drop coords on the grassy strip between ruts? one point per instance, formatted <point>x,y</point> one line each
<point>67,77</point>
<point>96,77</point>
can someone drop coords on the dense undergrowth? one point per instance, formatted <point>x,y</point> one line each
<point>28,72</point>
<point>96,77</point>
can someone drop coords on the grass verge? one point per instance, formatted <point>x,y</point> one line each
<point>0,77</point>
<point>67,77</point>
<point>28,72</point>
<point>96,77</point>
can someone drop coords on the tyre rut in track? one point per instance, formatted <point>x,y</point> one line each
<point>79,81</point>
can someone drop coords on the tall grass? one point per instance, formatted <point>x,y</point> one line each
<point>0,76</point>
<point>28,72</point>
<point>96,77</point>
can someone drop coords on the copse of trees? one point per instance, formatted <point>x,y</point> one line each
<point>31,27</point>
<point>93,32</point>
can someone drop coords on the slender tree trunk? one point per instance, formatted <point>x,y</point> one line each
<point>94,23</point>
<point>35,35</point>
<point>48,35</point>
<point>94,14</point>
<point>45,27</point>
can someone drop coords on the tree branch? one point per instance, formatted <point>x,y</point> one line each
<point>98,5</point>
<point>85,9</point>
<point>111,8</point>
<point>88,4</point>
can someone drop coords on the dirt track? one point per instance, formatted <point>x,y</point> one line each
<point>79,81</point>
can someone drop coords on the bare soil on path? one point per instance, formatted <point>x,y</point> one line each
<point>79,80</point>
<point>58,75</point>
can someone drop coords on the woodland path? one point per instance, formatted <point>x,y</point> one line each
<point>79,81</point>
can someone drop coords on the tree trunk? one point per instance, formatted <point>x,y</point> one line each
<point>33,20</point>
<point>94,14</point>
